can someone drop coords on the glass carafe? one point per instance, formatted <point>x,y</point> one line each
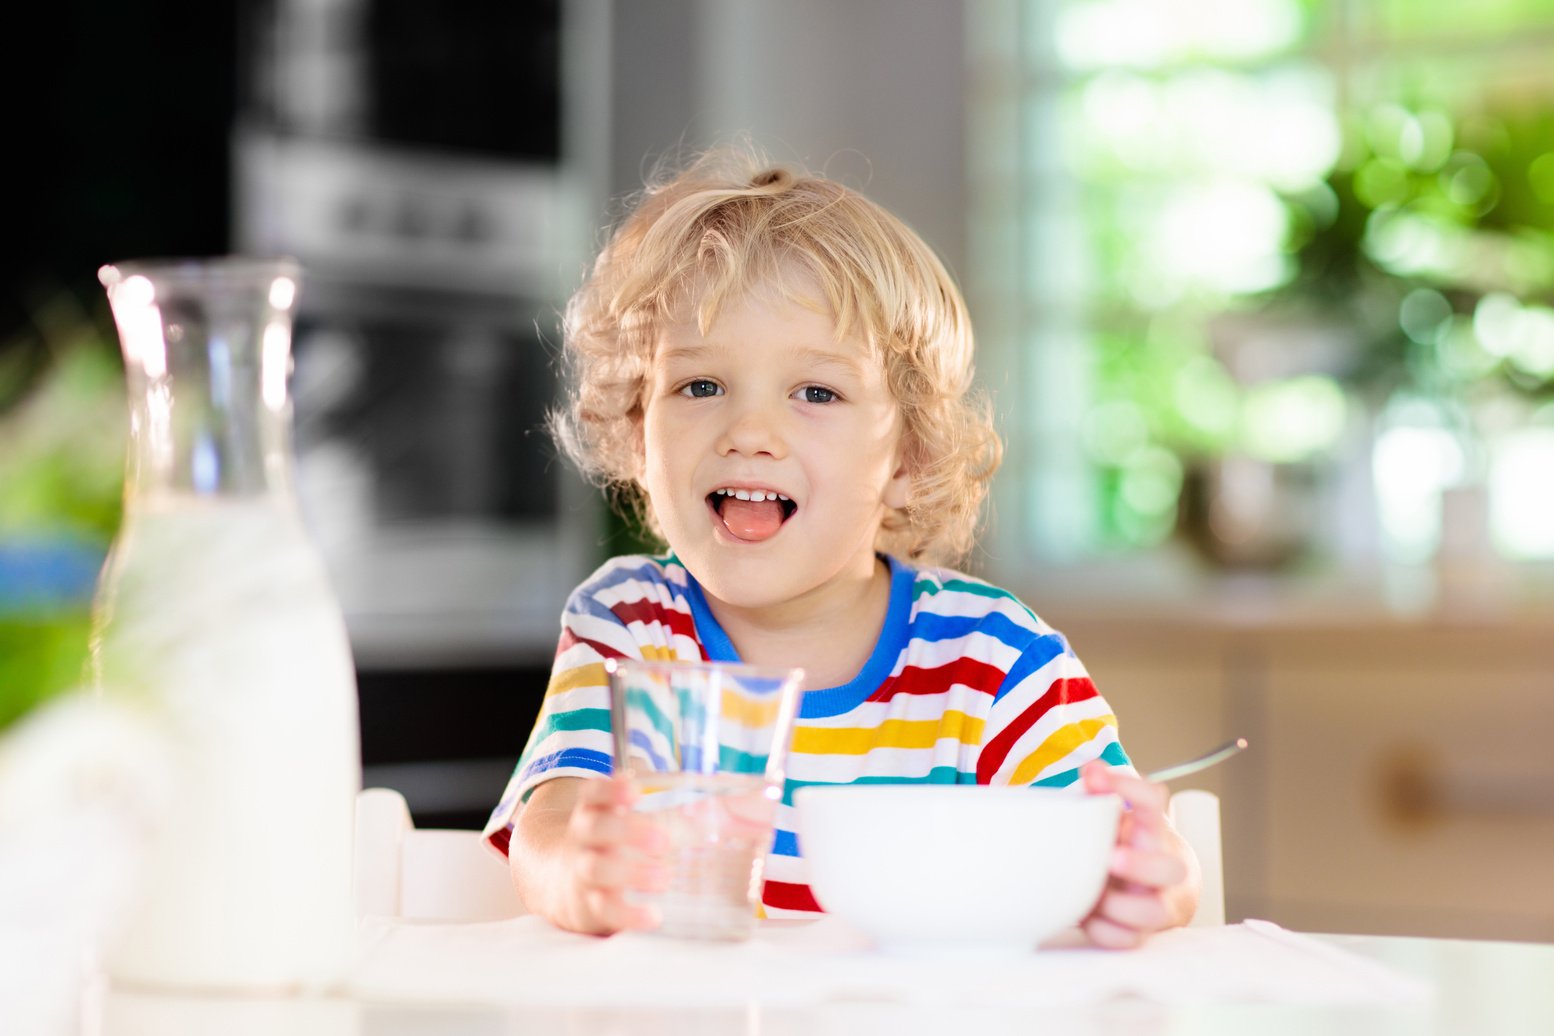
<point>215,615</point>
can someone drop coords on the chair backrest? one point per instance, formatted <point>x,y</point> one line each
<point>425,874</point>
<point>1195,814</point>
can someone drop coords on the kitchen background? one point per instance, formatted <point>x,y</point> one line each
<point>1264,289</point>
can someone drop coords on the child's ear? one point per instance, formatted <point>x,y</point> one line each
<point>638,447</point>
<point>899,489</point>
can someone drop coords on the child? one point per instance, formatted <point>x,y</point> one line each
<point>776,373</point>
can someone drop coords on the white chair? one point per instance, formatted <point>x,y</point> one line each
<point>1195,814</point>
<point>424,874</point>
<point>436,874</point>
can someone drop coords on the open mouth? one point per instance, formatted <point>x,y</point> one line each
<point>751,515</point>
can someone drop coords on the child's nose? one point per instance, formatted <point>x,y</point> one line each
<point>753,430</point>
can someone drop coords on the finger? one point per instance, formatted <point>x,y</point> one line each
<point>646,835</point>
<point>608,911</point>
<point>1149,868</point>
<point>1144,824</point>
<point>1140,911</point>
<point>1096,777</point>
<point>600,827</point>
<point>1110,935</point>
<point>1144,798</point>
<point>615,871</point>
<point>604,869</point>
<point>616,792</point>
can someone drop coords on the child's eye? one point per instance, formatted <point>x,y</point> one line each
<point>817,394</point>
<point>701,388</point>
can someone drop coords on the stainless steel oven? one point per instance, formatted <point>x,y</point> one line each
<point>410,155</point>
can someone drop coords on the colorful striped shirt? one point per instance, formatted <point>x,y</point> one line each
<point>965,685</point>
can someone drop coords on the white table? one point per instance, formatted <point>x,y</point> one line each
<point>1468,988</point>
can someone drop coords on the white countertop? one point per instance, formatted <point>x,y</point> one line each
<point>520,977</point>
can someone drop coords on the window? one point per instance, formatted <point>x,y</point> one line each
<point>1267,276</point>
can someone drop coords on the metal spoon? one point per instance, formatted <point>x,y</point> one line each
<point>1203,762</point>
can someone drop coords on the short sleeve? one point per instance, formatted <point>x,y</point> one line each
<point>628,609</point>
<point>1047,718</point>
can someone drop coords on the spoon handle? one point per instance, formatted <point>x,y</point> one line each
<point>1203,762</point>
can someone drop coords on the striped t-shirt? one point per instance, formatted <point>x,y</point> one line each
<point>965,685</point>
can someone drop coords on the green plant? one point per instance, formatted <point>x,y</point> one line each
<point>61,476</point>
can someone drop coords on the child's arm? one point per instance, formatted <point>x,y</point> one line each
<point>577,849</point>
<point>1155,878</point>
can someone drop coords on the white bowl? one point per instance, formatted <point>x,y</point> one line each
<point>928,868</point>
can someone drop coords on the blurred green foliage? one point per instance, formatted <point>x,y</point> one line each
<point>1425,216</point>
<point>62,436</point>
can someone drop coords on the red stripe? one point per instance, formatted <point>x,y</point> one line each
<point>649,612</point>
<point>1062,692</point>
<point>501,838</point>
<point>785,895</point>
<point>570,639</point>
<point>971,672</point>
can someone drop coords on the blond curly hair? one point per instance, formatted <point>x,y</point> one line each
<point>728,222</point>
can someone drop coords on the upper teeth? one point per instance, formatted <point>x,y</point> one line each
<point>755,495</point>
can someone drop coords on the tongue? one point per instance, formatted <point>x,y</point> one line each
<point>749,520</point>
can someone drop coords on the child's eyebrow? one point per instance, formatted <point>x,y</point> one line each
<point>686,354</point>
<point>692,355</point>
<point>821,358</point>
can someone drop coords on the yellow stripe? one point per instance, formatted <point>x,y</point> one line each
<point>747,710</point>
<point>893,733</point>
<point>593,675</point>
<point>1061,742</point>
<point>590,675</point>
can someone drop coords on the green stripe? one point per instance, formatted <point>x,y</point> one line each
<point>732,760</point>
<point>1112,754</point>
<point>924,587</point>
<point>575,719</point>
<point>556,722</point>
<point>927,586</point>
<point>938,775</point>
<point>641,702</point>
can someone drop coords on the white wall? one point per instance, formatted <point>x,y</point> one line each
<point>870,91</point>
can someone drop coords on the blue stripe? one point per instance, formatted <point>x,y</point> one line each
<point>930,626</point>
<point>640,741</point>
<point>713,640</point>
<point>896,634</point>
<point>1037,653</point>
<point>581,758</point>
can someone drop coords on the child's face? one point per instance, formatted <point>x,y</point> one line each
<point>770,401</point>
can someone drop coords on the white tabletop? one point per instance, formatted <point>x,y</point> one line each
<point>521,978</point>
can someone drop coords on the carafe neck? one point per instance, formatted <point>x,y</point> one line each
<point>207,355</point>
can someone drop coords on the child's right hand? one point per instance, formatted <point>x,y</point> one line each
<point>579,850</point>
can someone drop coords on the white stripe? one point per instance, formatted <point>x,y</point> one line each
<point>561,740</point>
<point>870,715</point>
<point>585,696</point>
<point>1082,753</point>
<point>610,632</point>
<point>787,868</point>
<point>1054,720</point>
<point>882,762</point>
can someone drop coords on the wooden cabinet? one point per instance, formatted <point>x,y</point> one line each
<point>1401,774</point>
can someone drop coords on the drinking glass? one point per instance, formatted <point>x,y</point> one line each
<point>706,744</point>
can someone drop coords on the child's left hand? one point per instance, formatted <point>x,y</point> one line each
<point>1154,874</point>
